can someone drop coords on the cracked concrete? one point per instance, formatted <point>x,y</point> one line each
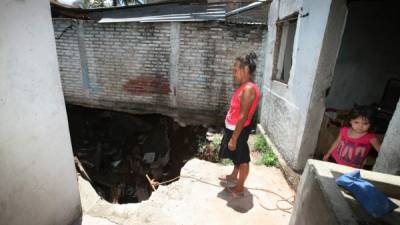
<point>196,198</point>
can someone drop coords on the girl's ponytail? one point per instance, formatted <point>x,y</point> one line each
<point>250,61</point>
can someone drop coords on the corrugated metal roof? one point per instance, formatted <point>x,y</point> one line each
<point>253,13</point>
<point>180,11</point>
<point>189,12</point>
<point>245,8</point>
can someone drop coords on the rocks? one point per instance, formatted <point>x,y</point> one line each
<point>117,150</point>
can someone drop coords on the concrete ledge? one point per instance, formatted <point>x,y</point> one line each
<point>319,200</point>
<point>183,116</point>
<point>98,211</point>
<point>291,176</point>
<point>196,198</point>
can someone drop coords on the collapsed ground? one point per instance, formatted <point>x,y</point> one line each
<point>118,149</point>
<point>115,150</point>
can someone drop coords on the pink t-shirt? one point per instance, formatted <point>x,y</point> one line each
<point>234,110</point>
<point>352,151</point>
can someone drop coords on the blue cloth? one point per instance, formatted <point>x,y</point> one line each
<point>373,200</point>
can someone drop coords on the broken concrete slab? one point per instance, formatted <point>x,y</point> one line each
<point>94,206</point>
<point>199,193</point>
<point>198,198</point>
<point>90,220</point>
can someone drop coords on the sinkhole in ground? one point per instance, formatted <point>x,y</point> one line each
<point>116,150</point>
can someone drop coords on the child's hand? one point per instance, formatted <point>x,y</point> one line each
<point>333,147</point>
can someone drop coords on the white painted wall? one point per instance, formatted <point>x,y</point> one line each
<point>368,56</point>
<point>38,181</point>
<point>286,108</point>
<point>278,114</point>
<point>388,160</point>
<point>287,7</point>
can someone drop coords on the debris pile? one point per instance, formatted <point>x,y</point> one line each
<point>115,151</point>
<point>209,147</point>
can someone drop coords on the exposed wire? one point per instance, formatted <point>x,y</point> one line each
<point>65,30</point>
<point>289,201</point>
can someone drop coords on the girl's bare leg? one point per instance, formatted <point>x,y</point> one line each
<point>234,175</point>
<point>244,169</point>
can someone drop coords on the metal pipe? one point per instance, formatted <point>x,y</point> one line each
<point>247,7</point>
<point>286,20</point>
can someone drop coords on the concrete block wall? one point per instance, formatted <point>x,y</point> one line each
<point>181,70</point>
<point>388,160</point>
<point>207,52</point>
<point>291,113</point>
<point>68,57</point>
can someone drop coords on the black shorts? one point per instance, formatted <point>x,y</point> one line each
<point>242,152</point>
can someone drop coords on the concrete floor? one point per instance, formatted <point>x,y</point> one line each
<point>193,202</point>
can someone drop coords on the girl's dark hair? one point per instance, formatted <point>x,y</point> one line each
<point>363,111</point>
<point>249,60</point>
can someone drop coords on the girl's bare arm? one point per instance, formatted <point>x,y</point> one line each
<point>376,144</point>
<point>334,145</point>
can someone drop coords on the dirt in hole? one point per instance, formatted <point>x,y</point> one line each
<point>118,149</point>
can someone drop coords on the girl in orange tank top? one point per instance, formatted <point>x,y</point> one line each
<point>243,105</point>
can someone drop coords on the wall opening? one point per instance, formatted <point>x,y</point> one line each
<point>366,72</point>
<point>285,33</point>
<point>118,149</point>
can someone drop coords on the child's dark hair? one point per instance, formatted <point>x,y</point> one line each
<point>249,60</point>
<point>363,111</point>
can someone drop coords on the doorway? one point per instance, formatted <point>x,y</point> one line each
<point>367,71</point>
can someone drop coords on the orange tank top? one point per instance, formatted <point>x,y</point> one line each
<point>234,110</point>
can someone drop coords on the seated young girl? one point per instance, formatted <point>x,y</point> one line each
<point>355,141</point>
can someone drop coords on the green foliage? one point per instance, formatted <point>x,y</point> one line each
<point>216,141</point>
<point>209,150</point>
<point>225,162</point>
<point>97,4</point>
<point>260,144</point>
<point>268,157</point>
<point>102,4</point>
<point>215,144</point>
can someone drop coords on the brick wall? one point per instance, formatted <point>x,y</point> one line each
<point>181,70</point>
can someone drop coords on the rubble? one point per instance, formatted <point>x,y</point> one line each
<point>115,151</point>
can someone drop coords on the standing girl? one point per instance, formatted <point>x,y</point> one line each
<point>237,122</point>
<point>354,142</point>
